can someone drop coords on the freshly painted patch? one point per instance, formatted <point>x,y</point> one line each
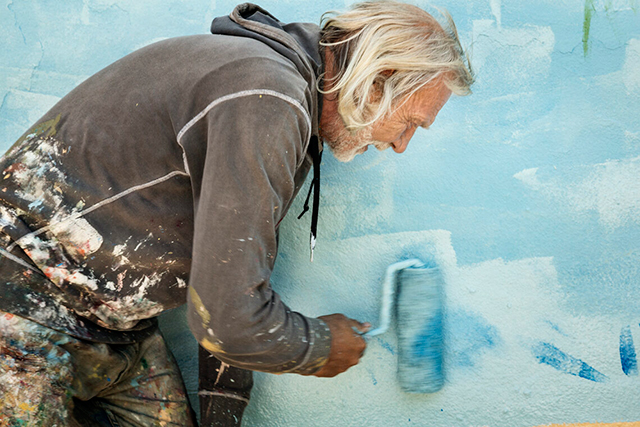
<point>630,74</point>
<point>628,353</point>
<point>549,354</point>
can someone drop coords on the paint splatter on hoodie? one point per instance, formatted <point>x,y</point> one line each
<point>162,180</point>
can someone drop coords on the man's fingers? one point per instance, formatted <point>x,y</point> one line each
<point>347,344</point>
<point>361,328</point>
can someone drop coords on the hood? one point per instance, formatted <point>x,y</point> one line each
<point>297,42</point>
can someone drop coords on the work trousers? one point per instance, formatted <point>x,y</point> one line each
<point>50,379</point>
<point>223,392</point>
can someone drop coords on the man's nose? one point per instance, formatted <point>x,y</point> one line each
<point>399,147</point>
<point>401,144</point>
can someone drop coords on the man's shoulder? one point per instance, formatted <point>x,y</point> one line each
<point>237,63</point>
<point>217,51</point>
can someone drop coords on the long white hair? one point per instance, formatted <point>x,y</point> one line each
<point>384,51</point>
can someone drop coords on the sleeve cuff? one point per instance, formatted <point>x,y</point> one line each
<point>319,338</point>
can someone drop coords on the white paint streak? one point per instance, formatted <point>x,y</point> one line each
<point>125,312</point>
<point>83,280</point>
<point>143,241</point>
<point>611,189</point>
<point>37,249</point>
<point>118,250</point>
<point>7,219</point>
<point>631,67</point>
<point>28,171</point>
<point>118,255</point>
<point>223,367</point>
<point>528,177</point>
<point>496,10</point>
<point>78,237</point>
<point>181,283</point>
<point>275,328</point>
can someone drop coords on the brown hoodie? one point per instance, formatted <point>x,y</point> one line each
<point>162,180</point>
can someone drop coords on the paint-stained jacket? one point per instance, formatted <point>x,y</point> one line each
<point>162,180</point>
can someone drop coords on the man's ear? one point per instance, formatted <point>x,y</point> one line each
<point>378,86</point>
<point>387,73</point>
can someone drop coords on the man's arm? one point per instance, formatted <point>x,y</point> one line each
<point>255,145</point>
<point>347,344</point>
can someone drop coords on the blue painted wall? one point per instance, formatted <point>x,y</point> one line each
<point>526,193</point>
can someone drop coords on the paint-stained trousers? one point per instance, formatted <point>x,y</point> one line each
<point>50,379</point>
<point>223,392</point>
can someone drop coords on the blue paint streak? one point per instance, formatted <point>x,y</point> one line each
<point>549,354</point>
<point>468,336</point>
<point>373,377</point>
<point>555,328</point>
<point>628,353</point>
<point>387,346</point>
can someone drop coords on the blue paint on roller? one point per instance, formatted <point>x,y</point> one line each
<point>628,353</point>
<point>418,294</point>
<point>426,355</point>
<point>549,354</point>
<point>424,342</point>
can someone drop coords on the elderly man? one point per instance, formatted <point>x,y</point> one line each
<point>163,179</point>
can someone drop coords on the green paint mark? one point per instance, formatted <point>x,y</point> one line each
<point>589,10</point>
<point>44,129</point>
<point>634,5</point>
<point>144,362</point>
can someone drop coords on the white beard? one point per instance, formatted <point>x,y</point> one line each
<point>345,145</point>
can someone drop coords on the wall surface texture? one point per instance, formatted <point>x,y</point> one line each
<point>526,193</point>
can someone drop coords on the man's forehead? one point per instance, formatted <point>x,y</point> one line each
<point>428,101</point>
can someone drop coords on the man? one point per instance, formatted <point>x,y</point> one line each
<point>163,179</point>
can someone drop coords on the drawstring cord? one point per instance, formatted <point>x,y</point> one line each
<point>316,155</point>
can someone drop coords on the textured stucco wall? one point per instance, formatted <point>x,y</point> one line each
<point>526,193</point>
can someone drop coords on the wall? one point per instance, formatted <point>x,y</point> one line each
<point>526,193</point>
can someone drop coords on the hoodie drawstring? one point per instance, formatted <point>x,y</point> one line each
<point>316,155</point>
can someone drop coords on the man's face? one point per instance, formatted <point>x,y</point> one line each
<point>394,130</point>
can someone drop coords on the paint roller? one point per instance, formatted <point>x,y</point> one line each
<point>417,290</point>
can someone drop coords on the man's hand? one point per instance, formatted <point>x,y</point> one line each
<point>347,345</point>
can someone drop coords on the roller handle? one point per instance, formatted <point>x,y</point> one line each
<point>388,295</point>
